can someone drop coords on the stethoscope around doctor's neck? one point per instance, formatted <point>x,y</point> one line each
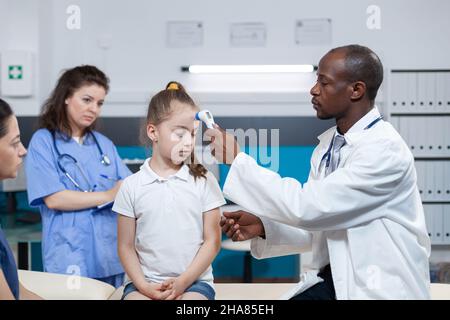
<point>327,154</point>
<point>104,159</point>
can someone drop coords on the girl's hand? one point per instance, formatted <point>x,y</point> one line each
<point>178,287</point>
<point>155,291</point>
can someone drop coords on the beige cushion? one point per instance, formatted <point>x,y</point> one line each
<point>57,287</point>
<point>53,286</point>
<point>440,291</point>
<point>240,291</point>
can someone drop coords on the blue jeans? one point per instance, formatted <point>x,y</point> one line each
<point>116,280</point>
<point>198,286</point>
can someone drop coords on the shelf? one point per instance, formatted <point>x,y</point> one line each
<point>419,114</point>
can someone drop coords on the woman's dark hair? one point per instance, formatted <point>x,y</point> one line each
<point>160,108</point>
<point>5,113</point>
<point>54,111</point>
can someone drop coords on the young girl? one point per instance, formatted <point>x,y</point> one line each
<point>168,227</point>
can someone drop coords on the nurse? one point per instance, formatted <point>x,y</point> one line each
<point>73,174</point>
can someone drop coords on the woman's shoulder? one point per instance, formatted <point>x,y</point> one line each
<point>41,135</point>
<point>102,139</point>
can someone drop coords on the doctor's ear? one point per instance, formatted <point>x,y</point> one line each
<point>358,90</point>
<point>152,132</point>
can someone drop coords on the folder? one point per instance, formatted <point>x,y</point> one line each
<point>446,219</point>
<point>398,92</point>
<point>446,181</point>
<point>438,224</point>
<point>430,190</point>
<point>406,125</point>
<point>441,91</point>
<point>417,133</point>
<point>447,92</point>
<point>420,178</point>
<point>422,92</point>
<point>430,78</point>
<point>439,173</point>
<point>438,136</point>
<point>428,221</point>
<point>446,132</point>
<point>411,92</point>
<point>395,122</point>
<point>429,136</point>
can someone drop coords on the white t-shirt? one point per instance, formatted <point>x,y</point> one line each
<point>169,218</point>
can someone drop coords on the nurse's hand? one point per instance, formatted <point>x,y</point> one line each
<point>241,225</point>
<point>224,146</point>
<point>113,191</point>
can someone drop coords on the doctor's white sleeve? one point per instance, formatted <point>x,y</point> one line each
<point>280,240</point>
<point>348,197</point>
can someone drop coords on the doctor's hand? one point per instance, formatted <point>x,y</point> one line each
<point>224,146</point>
<point>241,225</point>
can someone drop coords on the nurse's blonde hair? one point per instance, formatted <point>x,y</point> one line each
<point>160,109</point>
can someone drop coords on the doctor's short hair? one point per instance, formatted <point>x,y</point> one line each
<point>54,115</point>
<point>362,64</point>
<point>160,109</point>
<point>5,113</point>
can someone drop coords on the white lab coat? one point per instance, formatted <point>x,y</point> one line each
<point>366,218</point>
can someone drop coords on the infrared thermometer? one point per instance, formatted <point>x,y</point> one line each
<point>207,117</point>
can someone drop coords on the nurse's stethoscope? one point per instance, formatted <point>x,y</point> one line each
<point>104,159</point>
<point>327,154</point>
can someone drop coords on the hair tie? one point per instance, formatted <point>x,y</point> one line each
<point>173,86</point>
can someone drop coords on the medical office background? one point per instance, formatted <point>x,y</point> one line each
<point>141,45</point>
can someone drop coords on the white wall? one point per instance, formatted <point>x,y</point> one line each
<point>19,31</point>
<point>414,34</point>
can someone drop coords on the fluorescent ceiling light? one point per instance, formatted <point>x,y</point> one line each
<point>270,68</point>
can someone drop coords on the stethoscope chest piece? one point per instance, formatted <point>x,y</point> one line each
<point>105,160</point>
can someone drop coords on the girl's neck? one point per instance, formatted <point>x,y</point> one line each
<point>163,167</point>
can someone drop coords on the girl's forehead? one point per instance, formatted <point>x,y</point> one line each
<point>184,115</point>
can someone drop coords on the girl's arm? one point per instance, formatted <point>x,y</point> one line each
<point>128,257</point>
<point>205,256</point>
<point>69,200</point>
<point>5,291</point>
<point>26,294</point>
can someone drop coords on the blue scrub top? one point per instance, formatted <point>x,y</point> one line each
<point>8,266</point>
<point>82,242</point>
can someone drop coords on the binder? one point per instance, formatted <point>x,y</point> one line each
<point>420,178</point>
<point>407,123</point>
<point>430,78</point>
<point>422,91</point>
<point>428,220</point>
<point>439,173</point>
<point>440,91</point>
<point>395,122</point>
<point>417,134</point>
<point>411,92</point>
<point>447,133</point>
<point>438,224</point>
<point>396,91</point>
<point>446,181</point>
<point>430,186</point>
<point>446,219</point>
<point>447,92</point>
<point>438,136</point>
